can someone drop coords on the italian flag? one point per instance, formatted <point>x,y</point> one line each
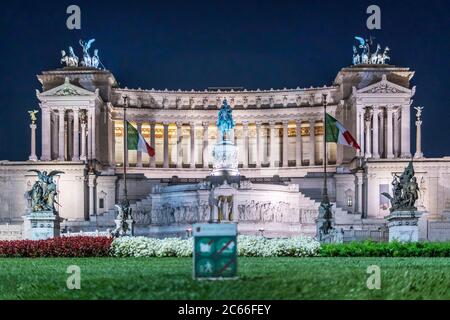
<point>338,134</point>
<point>136,141</point>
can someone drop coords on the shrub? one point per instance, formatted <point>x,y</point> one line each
<point>385,249</point>
<point>57,247</point>
<point>249,246</point>
<point>150,247</point>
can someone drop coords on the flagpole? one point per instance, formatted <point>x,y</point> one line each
<point>125,147</point>
<point>325,157</point>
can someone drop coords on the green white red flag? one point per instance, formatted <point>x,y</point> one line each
<point>338,134</point>
<point>136,141</point>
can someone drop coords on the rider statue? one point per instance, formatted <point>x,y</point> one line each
<point>225,120</point>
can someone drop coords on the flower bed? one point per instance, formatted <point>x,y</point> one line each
<point>248,246</point>
<point>57,247</point>
<point>251,246</point>
<point>150,247</point>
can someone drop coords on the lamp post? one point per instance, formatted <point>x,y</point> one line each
<point>324,221</point>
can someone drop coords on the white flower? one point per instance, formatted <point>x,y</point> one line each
<point>248,246</point>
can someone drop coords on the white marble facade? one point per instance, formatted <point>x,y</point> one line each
<point>278,132</point>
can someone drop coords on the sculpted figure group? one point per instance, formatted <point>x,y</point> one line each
<point>368,57</point>
<point>42,195</point>
<point>71,60</point>
<point>405,190</point>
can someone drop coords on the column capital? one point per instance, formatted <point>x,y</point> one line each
<point>376,108</point>
<point>285,122</point>
<point>179,124</point>
<point>271,123</point>
<point>245,123</point>
<point>258,124</point>
<point>298,121</point>
<point>312,121</point>
<point>166,123</point>
<point>205,124</point>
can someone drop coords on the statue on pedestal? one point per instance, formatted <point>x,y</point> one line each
<point>403,218</point>
<point>42,220</point>
<point>224,153</point>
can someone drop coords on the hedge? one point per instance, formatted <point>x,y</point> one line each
<point>57,247</point>
<point>386,249</point>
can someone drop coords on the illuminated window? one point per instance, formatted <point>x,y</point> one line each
<point>349,201</point>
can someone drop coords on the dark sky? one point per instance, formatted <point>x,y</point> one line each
<point>194,45</point>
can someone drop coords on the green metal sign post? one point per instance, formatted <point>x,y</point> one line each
<point>215,251</point>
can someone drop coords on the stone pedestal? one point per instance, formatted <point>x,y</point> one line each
<point>33,156</point>
<point>225,159</point>
<point>41,225</point>
<point>124,231</point>
<point>403,226</point>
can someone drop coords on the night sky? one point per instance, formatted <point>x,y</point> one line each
<point>195,45</point>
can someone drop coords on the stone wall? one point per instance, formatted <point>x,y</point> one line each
<point>15,181</point>
<point>11,231</point>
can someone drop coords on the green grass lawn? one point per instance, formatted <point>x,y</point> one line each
<point>259,278</point>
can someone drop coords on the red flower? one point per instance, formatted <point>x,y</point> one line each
<point>57,247</point>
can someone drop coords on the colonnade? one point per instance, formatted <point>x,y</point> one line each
<point>68,134</point>
<point>383,131</point>
<point>201,158</point>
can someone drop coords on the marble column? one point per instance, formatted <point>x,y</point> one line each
<point>192,144</point>
<point>83,141</point>
<point>69,137</point>
<point>389,133</point>
<point>112,150</point>
<point>179,144</point>
<point>76,135</point>
<point>61,146</point>
<point>152,144</point>
<point>246,144</point>
<point>362,140</point>
<point>139,153</point>
<point>397,132</point>
<point>46,135</point>
<point>405,132</point>
<point>382,133</point>
<point>375,146</point>
<point>33,156</point>
<point>367,120</point>
<point>272,143</point>
<point>90,133</point>
<point>298,143</point>
<point>419,153</point>
<point>91,185</point>
<point>359,177</point>
<point>312,142</point>
<point>285,143</point>
<point>258,144</point>
<point>205,153</point>
<point>166,144</point>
